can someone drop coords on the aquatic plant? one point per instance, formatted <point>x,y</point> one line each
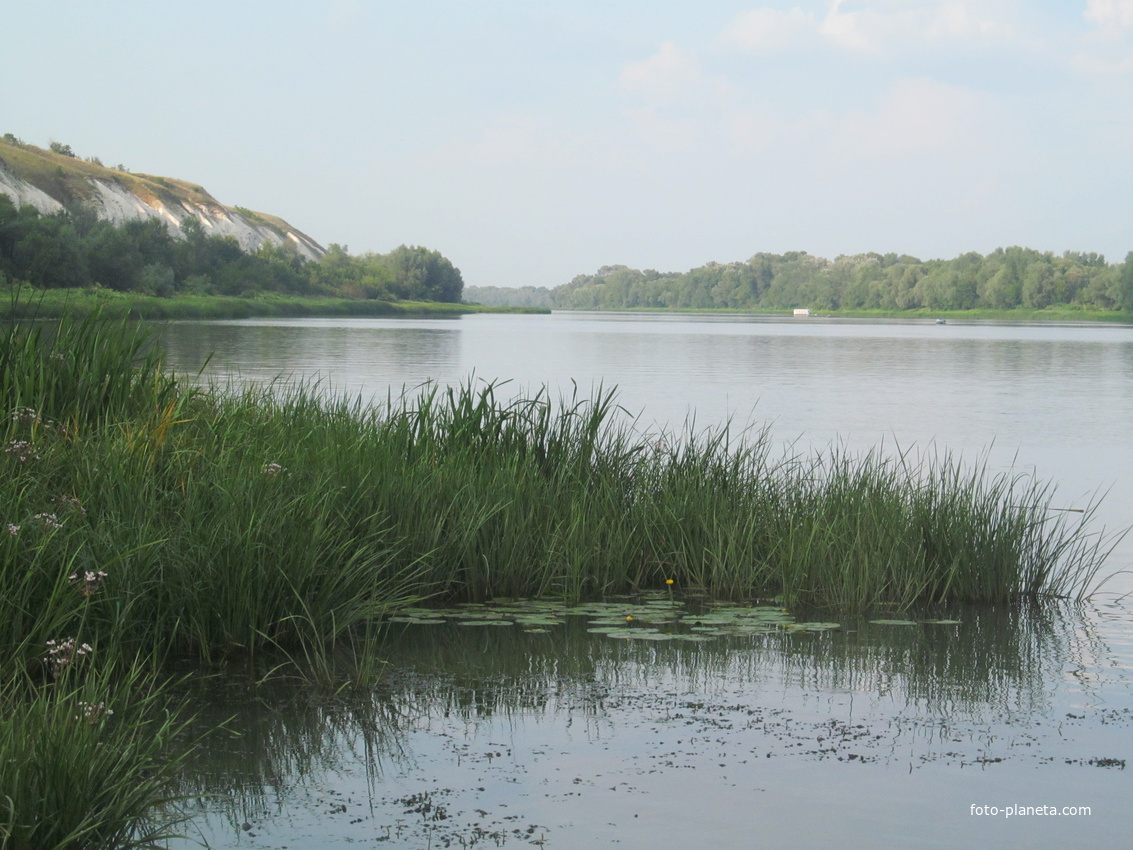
<point>276,527</point>
<point>73,374</point>
<point>88,762</point>
<point>278,519</point>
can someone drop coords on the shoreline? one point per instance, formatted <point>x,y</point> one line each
<point>25,303</point>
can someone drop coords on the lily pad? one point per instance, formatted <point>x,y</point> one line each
<point>813,627</point>
<point>484,622</point>
<point>893,622</point>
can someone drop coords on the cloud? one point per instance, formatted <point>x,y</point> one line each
<point>874,26</point>
<point>1107,51</point>
<point>854,30</point>
<point>765,29</point>
<point>669,75</point>
<point>957,20</point>
<point>768,29</point>
<point>1113,17</point>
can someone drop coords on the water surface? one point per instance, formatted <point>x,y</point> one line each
<point>869,735</point>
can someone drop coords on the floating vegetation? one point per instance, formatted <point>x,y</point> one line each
<point>644,619</point>
<point>485,623</point>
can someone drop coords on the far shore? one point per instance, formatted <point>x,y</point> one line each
<point>56,303</point>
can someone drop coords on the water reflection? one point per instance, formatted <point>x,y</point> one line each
<point>461,704</point>
<point>364,358</point>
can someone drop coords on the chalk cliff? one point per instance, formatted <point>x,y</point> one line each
<point>51,181</point>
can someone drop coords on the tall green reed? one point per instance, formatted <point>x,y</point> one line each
<point>89,761</point>
<point>86,373</point>
<point>238,523</point>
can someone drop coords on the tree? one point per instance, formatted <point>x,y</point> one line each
<point>419,273</point>
<point>59,148</point>
<point>1038,290</point>
<point>1125,284</point>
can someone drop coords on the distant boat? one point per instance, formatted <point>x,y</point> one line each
<point>801,311</point>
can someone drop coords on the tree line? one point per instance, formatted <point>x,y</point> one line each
<point>1005,279</point>
<point>1002,280</point>
<point>74,249</point>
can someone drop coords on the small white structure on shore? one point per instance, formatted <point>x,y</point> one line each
<point>802,311</point>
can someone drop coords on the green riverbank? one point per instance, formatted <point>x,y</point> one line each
<point>26,303</point>
<point>1019,314</point>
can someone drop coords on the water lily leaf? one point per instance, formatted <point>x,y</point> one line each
<point>893,622</point>
<point>622,631</point>
<point>813,627</point>
<point>943,622</point>
<point>752,629</point>
<point>655,619</point>
<point>484,622</point>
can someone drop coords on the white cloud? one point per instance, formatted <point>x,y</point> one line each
<point>851,29</point>
<point>768,29</point>
<point>1112,16</point>
<point>958,20</point>
<point>669,75</point>
<point>1107,53</point>
<point>875,26</point>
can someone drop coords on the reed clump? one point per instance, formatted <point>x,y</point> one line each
<point>231,522</point>
<point>153,520</point>
<point>89,759</point>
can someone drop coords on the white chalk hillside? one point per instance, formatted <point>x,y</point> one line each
<point>112,200</point>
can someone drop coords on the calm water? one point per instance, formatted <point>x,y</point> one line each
<point>869,735</point>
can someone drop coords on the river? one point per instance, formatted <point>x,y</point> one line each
<point>870,735</point>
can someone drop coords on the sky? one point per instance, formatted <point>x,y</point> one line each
<point>531,141</point>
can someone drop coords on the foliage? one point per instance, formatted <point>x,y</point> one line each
<point>274,519</point>
<point>72,249</point>
<point>60,148</point>
<point>88,761</point>
<point>27,304</point>
<point>1006,279</point>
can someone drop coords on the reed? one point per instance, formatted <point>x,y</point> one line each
<point>89,761</point>
<point>230,523</point>
<point>278,525</point>
<point>83,374</point>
